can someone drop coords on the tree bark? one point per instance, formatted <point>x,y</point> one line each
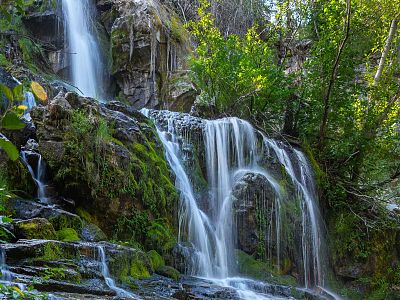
<point>392,30</point>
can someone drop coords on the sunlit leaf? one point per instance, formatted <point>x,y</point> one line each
<point>39,91</point>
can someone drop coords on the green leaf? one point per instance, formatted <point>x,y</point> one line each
<point>9,148</point>
<point>5,90</point>
<point>7,220</point>
<point>19,93</point>
<point>12,122</point>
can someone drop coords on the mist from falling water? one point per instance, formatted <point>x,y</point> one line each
<point>83,47</point>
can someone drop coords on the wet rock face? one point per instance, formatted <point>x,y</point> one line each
<point>108,159</point>
<point>149,45</point>
<point>74,267</point>
<point>44,22</point>
<point>148,51</point>
<point>252,194</point>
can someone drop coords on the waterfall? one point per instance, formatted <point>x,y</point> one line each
<point>38,173</point>
<point>30,103</point>
<point>83,47</point>
<point>6,276</point>
<point>233,148</point>
<point>107,277</point>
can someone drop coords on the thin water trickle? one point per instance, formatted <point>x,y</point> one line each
<point>37,172</point>
<point>83,47</point>
<point>7,276</point>
<point>108,279</point>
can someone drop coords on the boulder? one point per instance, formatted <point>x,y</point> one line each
<point>109,160</point>
<point>37,228</point>
<point>169,272</point>
<point>92,233</point>
<point>28,209</point>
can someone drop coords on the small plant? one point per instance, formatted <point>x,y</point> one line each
<point>10,113</point>
<point>10,118</point>
<point>15,293</point>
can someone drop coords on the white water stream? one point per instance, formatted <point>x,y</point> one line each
<point>108,279</point>
<point>37,172</point>
<point>234,148</point>
<point>83,47</point>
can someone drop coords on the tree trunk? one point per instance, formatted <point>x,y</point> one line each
<point>392,30</point>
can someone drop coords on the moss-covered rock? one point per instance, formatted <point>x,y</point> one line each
<point>169,272</point>
<point>112,164</point>
<point>149,44</point>
<point>38,228</point>
<point>92,233</point>
<point>156,259</point>
<point>67,235</point>
<point>257,269</point>
<point>126,264</point>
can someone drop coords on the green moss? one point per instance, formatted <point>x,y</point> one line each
<point>3,60</point>
<point>127,182</point>
<point>54,251</point>
<point>51,251</point>
<point>260,270</point>
<point>5,192</point>
<point>156,259</point>
<point>169,272</point>
<point>85,215</point>
<point>127,266</point>
<point>64,221</point>
<point>138,270</point>
<point>67,235</point>
<point>30,52</point>
<point>178,31</point>
<point>37,228</point>
<point>160,236</point>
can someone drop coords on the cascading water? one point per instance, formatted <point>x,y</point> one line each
<point>30,103</point>
<point>233,149</point>
<point>6,276</point>
<point>107,277</point>
<point>83,47</point>
<point>37,172</point>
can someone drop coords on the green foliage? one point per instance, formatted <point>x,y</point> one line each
<point>51,251</point>
<point>237,74</point>
<point>53,273</point>
<point>139,230</point>
<point>10,114</point>
<point>5,194</point>
<point>13,292</point>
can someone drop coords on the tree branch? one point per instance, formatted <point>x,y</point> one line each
<point>322,132</point>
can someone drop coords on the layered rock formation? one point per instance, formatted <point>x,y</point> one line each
<point>144,47</point>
